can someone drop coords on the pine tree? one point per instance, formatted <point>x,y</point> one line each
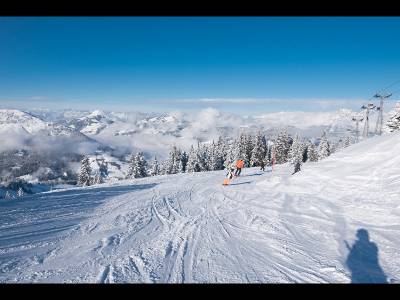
<point>393,124</point>
<point>215,156</point>
<point>312,153</point>
<point>282,146</point>
<point>231,155</point>
<point>142,165</point>
<point>295,154</point>
<point>240,149</point>
<point>20,192</point>
<point>222,148</point>
<point>173,162</point>
<point>346,142</point>
<point>183,162</point>
<point>155,167</point>
<point>305,152</point>
<point>137,166</point>
<point>249,145</point>
<point>163,168</point>
<point>103,169</point>
<point>202,158</point>
<point>132,166</point>
<point>211,157</point>
<point>259,150</point>
<point>84,177</point>
<point>192,164</point>
<point>324,147</point>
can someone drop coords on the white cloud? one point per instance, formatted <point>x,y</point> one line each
<point>294,101</point>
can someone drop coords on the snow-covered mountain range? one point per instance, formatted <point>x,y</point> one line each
<point>134,129</point>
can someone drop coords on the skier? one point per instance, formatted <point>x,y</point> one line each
<point>296,167</point>
<point>239,166</point>
<point>262,165</point>
<point>231,169</point>
<point>229,175</point>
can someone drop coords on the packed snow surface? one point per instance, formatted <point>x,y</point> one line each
<point>265,227</point>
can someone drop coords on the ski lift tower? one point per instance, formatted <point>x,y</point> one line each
<point>357,118</point>
<point>367,108</point>
<point>379,121</point>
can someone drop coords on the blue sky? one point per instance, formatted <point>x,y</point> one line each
<point>243,64</point>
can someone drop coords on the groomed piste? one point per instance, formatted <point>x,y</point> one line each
<point>336,221</point>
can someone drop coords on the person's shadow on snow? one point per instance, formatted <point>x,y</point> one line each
<point>363,260</point>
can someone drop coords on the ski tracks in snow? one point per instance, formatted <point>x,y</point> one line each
<point>205,232</point>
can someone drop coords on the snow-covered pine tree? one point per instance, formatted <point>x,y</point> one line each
<point>155,167</point>
<point>324,147</point>
<point>295,154</point>
<point>141,166</point>
<point>312,153</point>
<point>393,124</point>
<point>212,157</point>
<point>305,151</point>
<point>202,157</point>
<point>173,162</point>
<point>20,192</point>
<point>240,147</point>
<point>131,166</point>
<point>103,169</point>
<point>84,176</point>
<point>222,148</point>
<point>177,161</point>
<point>183,162</point>
<point>163,168</point>
<point>192,164</point>
<point>137,166</point>
<point>259,150</point>
<point>249,145</point>
<point>282,146</point>
<point>346,142</point>
<point>215,156</point>
<point>231,154</point>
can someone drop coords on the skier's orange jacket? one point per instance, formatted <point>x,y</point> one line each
<point>240,164</point>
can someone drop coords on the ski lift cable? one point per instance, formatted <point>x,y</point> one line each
<point>384,89</point>
<point>390,85</point>
<point>396,91</point>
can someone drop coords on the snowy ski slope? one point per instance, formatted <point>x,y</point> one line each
<point>265,227</point>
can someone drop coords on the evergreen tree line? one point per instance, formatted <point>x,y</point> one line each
<point>218,155</point>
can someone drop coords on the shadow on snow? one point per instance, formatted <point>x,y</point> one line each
<point>247,182</point>
<point>363,260</point>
